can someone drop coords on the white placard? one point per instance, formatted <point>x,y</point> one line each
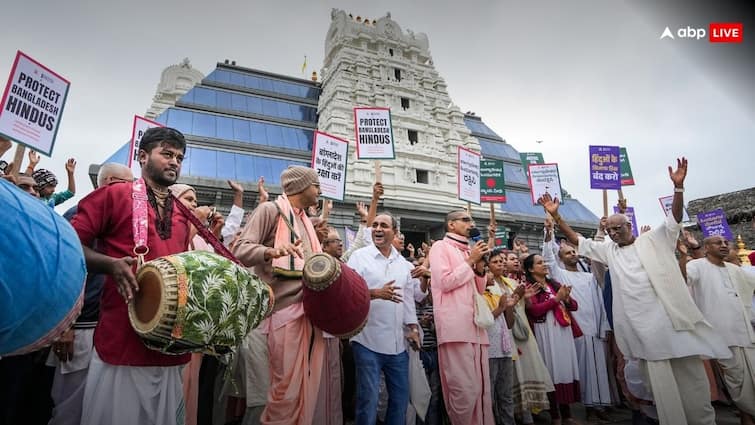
<point>141,125</point>
<point>329,156</point>
<point>373,133</point>
<point>544,179</point>
<point>32,104</point>
<point>468,180</point>
<point>666,203</point>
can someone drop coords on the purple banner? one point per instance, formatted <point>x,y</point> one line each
<point>605,167</point>
<point>713,223</point>
<point>630,215</point>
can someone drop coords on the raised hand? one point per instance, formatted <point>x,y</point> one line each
<point>264,196</point>
<point>621,204</point>
<point>677,176</point>
<point>235,186</point>
<point>644,228</point>
<point>33,159</point>
<point>5,145</point>
<point>690,240</point>
<point>603,224</point>
<point>71,165</point>
<point>377,190</point>
<point>362,210</point>
<point>549,204</point>
<point>388,292</point>
<point>411,249</point>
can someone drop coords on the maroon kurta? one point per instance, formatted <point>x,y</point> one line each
<point>105,215</point>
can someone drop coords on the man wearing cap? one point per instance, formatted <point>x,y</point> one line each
<point>275,243</point>
<point>46,183</point>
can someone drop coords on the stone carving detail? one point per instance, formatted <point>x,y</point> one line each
<point>175,81</point>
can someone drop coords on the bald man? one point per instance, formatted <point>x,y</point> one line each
<point>111,172</point>
<point>723,292</point>
<point>655,318</point>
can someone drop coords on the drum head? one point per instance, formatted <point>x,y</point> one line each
<point>320,270</point>
<point>145,308</point>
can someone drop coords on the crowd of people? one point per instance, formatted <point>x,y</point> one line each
<point>459,331</point>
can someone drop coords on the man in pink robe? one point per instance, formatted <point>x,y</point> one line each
<point>457,270</point>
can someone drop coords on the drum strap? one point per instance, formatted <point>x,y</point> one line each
<point>208,236</point>
<point>140,219</point>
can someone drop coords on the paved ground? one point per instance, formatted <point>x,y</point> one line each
<point>724,416</point>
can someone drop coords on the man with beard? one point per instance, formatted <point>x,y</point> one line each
<point>128,383</point>
<point>275,243</point>
<point>457,269</point>
<point>723,292</point>
<point>655,319</point>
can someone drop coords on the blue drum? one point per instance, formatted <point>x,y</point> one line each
<point>42,273</point>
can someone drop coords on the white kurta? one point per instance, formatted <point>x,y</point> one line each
<point>643,328</point>
<point>716,295</point>
<point>592,319</point>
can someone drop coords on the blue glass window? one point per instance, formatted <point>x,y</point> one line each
<point>264,83</point>
<point>241,130</point>
<point>224,100</point>
<point>514,174</point>
<point>180,120</point>
<point>224,126</point>
<point>480,128</point>
<point>202,162</point>
<point>204,125</point>
<point>497,149</point>
<point>225,169</point>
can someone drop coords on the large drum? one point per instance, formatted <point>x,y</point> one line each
<point>335,297</point>
<point>197,302</point>
<point>42,273</point>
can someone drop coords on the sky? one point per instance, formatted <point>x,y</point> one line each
<point>567,74</point>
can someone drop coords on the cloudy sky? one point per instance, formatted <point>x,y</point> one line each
<point>570,74</point>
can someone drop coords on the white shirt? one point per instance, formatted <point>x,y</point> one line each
<point>384,331</point>
<point>642,326</point>
<point>232,224</point>
<point>717,297</point>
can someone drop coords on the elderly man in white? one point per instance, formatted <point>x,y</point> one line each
<point>380,346</point>
<point>655,319</point>
<point>723,291</point>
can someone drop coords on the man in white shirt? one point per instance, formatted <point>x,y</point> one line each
<point>655,319</point>
<point>723,291</point>
<point>380,346</point>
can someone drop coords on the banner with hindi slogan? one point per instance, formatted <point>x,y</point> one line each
<point>492,183</point>
<point>468,177</point>
<point>713,223</point>
<point>630,215</point>
<point>329,156</point>
<point>544,179</point>
<point>626,170</point>
<point>604,168</point>
<point>32,104</point>
<point>373,133</point>
<point>528,158</point>
<point>666,202</point>
<point>140,126</point>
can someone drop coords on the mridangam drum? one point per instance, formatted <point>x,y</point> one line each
<point>42,273</point>
<point>197,302</point>
<point>335,297</point>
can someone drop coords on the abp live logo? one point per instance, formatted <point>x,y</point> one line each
<point>718,32</point>
<point>725,32</point>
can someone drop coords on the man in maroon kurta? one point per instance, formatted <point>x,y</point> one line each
<point>127,382</point>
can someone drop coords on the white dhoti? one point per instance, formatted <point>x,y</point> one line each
<point>127,395</point>
<point>593,372</point>
<point>680,390</point>
<point>739,377</point>
<point>70,378</point>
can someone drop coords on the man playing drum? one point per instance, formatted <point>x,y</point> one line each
<point>276,241</point>
<point>127,382</point>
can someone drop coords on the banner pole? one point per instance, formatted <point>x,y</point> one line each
<point>605,203</point>
<point>378,172</point>
<point>18,159</point>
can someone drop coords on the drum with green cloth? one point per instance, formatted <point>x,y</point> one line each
<point>197,301</point>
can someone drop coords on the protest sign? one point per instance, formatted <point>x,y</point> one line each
<point>32,104</point>
<point>329,156</point>
<point>140,126</point>
<point>666,202</point>
<point>713,223</point>
<point>468,177</point>
<point>604,168</point>
<point>528,158</point>
<point>626,170</point>
<point>493,186</point>
<point>501,238</point>
<point>544,179</point>
<point>373,133</point>
<point>630,215</point>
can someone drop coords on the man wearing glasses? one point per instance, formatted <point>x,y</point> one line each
<point>655,318</point>
<point>457,268</point>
